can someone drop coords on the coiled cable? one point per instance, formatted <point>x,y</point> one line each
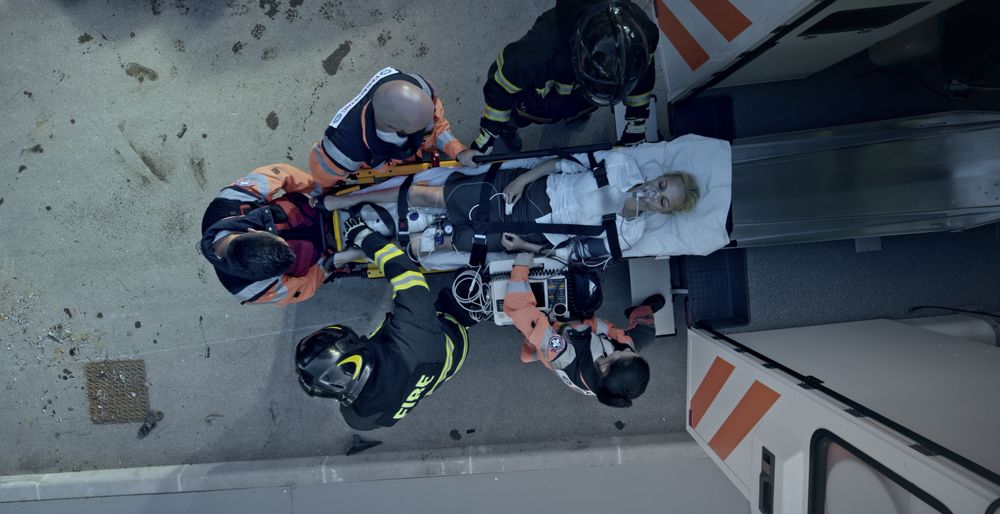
<point>473,294</point>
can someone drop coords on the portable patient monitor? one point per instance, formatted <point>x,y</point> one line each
<point>547,280</point>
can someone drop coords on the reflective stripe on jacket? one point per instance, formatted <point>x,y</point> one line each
<point>350,141</point>
<point>250,203</point>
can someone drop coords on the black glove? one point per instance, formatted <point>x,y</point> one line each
<point>320,204</point>
<point>355,231</point>
<point>484,141</point>
<point>634,133</point>
<point>328,263</point>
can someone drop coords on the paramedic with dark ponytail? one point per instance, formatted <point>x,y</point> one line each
<point>589,354</point>
<point>419,346</point>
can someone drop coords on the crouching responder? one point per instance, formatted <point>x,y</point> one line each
<point>578,56</point>
<point>379,379</point>
<point>396,117</point>
<point>589,354</point>
<point>268,249</point>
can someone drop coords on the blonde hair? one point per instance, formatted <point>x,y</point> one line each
<point>691,190</point>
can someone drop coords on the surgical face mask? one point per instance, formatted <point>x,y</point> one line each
<point>392,138</point>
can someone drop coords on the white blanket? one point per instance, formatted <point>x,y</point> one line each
<point>698,232</point>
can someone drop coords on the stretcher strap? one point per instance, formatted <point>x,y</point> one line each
<point>324,247</point>
<point>607,220</point>
<point>403,208</point>
<point>494,227</point>
<point>481,217</point>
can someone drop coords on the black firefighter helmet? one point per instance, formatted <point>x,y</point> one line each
<point>610,51</point>
<point>333,363</point>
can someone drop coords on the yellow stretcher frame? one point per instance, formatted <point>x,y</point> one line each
<point>367,177</point>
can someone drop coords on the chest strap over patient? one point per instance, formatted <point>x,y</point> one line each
<point>483,225</point>
<point>600,172</point>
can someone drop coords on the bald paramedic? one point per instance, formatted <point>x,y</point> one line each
<point>397,117</point>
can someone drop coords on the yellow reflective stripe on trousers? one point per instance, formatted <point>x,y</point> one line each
<point>377,328</point>
<point>638,100</point>
<point>465,339</point>
<point>496,114</point>
<point>564,89</point>
<point>407,280</point>
<point>387,252</point>
<point>560,88</point>
<point>483,138</point>
<point>465,347</point>
<point>501,79</point>
<point>449,347</point>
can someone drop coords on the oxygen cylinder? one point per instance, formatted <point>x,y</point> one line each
<point>374,221</point>
<point>418,221</point>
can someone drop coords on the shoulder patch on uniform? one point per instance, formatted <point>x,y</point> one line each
<point>556,343</point>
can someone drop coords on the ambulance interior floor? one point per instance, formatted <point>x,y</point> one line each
<point>123,119</point>
<point>829,282</point>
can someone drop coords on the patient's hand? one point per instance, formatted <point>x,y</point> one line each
<point>513,243</point>
<point>510,242</point>
<point>514,190</point>
<point>516,187</point>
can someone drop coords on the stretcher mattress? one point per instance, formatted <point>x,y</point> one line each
<point>698,232</point>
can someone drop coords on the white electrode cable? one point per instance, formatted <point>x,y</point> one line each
<point>472,294</point>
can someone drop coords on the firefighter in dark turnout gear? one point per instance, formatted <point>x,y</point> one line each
<point>380,379</point>
<point>578,56</point>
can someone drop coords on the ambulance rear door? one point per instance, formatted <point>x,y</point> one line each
<point>791,444</point>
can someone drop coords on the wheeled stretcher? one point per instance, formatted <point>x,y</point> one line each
<point>698,232</point>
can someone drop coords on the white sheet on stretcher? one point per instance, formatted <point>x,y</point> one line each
<point>699,232</point>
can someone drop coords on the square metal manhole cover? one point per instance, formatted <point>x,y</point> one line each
<point>116,391</point>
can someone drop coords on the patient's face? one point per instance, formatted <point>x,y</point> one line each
<point>662,194</point>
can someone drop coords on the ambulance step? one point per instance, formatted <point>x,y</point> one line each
<point>717,288</point>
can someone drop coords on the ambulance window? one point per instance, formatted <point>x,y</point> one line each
<point>845,480</point>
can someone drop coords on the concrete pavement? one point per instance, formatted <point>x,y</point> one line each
<point>121,121</point>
